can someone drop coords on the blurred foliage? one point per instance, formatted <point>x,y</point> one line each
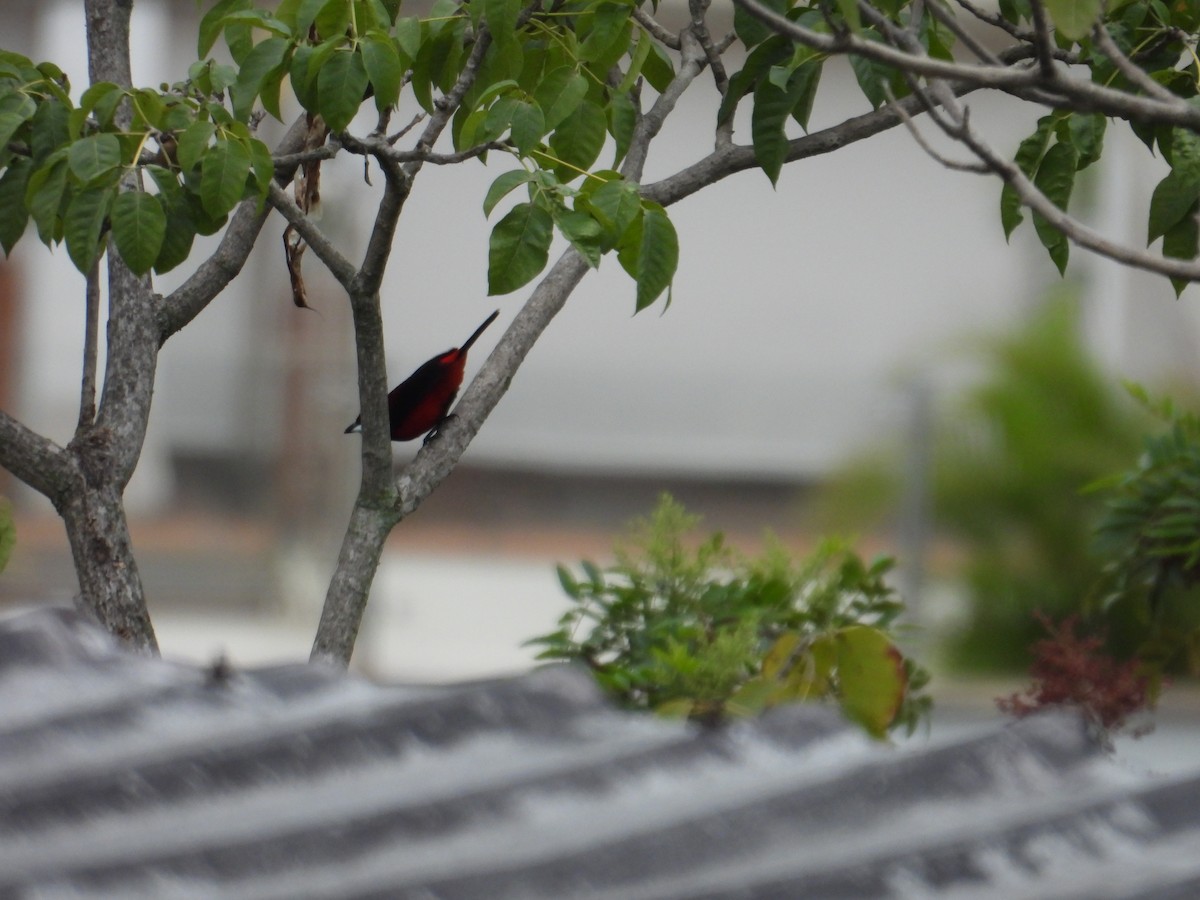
<point>8,532</point>
<point>1009,462</point>
<point>709,633</point>
<point>1149,539</point>
<point>1074,669</point>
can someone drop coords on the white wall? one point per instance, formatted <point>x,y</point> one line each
<point>798,312</point>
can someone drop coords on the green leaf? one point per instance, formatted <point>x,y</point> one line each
<point>579,139</point>
<point>139,224</point>
<point>751,31</point>
<point>50,130</point>
<point>503,186</point>
<point>1087,134</point>
<point>213,22</point>
<point>181,227</point>
<point>8,532</point>
<point>501,17</point>
<point>622,120</point>
<point>657,255</point>
<point>1056,178</point>
<point>608,36</point>
<point>333,18</point>
<point>13,184</point>
<point>559,95</point>
<point>94,156</point>
<point>583,232</point>
<point>772,106</point>
<point>519,248</point>
<point>1172,199</point>
<point>849,11</point>
<point>44,196</point>
<point>1182,241</point>
<point>1029,156</point>
<point>266,57</point>
<point>1074,18</point>
<point>341,86</point>
<point>659,68</point>
<point>871,676</point>
<point>83,225</point>
<point>384,69</point>
<point>614,204</point>
<point>802,90</point>
<point>641,52</point>
<point>9,124</point>
<point>772,51</point>
<point>872,75</point>
<point>528,125</point>
<point>192,145</point>
<point>223,176</point>
<point>1184,153</point>
<point>408,37</point>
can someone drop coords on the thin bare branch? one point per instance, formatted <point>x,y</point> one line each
<point>1078,93</point>
<point>1043,41</point>
<point>964,36</point>
<point>656,30</point>
<point>699,12</point>
<point>997,21</point>
<point>937,156</point>
<point>691,63</point>
<point>91,337</point>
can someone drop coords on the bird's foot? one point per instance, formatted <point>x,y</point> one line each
<point>437,429</point>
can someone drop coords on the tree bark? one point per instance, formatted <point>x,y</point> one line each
<point>109,583</point>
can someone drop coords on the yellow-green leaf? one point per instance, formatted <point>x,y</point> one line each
<point>872,677</point>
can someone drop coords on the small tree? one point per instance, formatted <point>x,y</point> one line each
<point>575,92</point>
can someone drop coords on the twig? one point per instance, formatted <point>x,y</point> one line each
<point>956,165</point>
<point>656,30</point>
<point>91,338</point>
<point>699,11</point>
<point>997,21</point>
<point>1043,41</point>
<point>968,40</point>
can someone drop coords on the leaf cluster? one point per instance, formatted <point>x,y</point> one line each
<point>65,165</point>
<point>551,89</point>
<point>703,631</point>
<point>1157,38</point>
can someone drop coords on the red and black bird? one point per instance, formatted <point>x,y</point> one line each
<point>420,403</point>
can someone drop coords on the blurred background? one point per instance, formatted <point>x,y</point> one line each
<point>858,351</point>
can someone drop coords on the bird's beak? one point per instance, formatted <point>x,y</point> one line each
<point>353,429</point>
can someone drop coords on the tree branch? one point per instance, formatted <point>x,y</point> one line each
<point>40,463</point>
<point>91,337</point>
<point>1021,81</point>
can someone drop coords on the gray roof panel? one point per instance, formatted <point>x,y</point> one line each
<point>123,776</point>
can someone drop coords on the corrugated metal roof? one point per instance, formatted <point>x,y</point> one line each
<point>123,776</point>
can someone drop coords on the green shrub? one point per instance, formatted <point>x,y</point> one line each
<point>1149,539</point>
<point>1010,460</point>
<point>708,633</point>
